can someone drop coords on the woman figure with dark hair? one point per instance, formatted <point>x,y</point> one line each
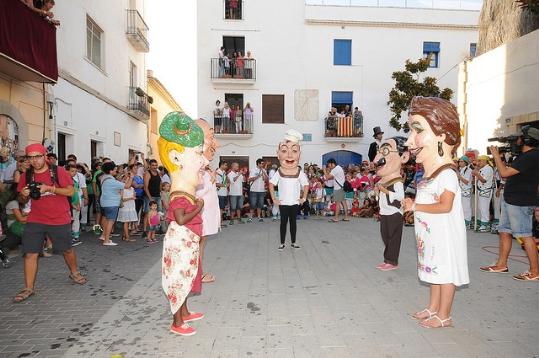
<point>442,254</point>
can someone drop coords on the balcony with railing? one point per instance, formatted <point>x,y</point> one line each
<point>137,31</point>
<point>241,70</point>
<point>339,128</point>
<point>237,127</point>
<point>233,9</point>
<point>138,101</point>
<point>27,44</point>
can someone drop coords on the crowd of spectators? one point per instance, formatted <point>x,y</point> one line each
<point>112,200</point>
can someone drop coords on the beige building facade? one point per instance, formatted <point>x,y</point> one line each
<point>162,104</point>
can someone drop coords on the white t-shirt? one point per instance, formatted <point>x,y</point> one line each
<point>396,195</point>
<point>338,177</point>
<point>466,172</point>
<point>236,187</point>
<point>81,181</point>
<point>257,185</point>
<point>221,178</point>
<point>488,174</point>
<point>289,188</point>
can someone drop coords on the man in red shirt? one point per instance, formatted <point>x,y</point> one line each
<point>49,217</point>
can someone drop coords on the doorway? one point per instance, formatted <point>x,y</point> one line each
<point>343,157</point>
<point>234,44</point>
<point>61,147</point>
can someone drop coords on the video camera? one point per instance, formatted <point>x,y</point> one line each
<point>510,146</point>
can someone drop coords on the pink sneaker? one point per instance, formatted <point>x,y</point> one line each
<point>380,266</point>
<point>193,317</point>
<point>389,267</point>
<point>183,330</point>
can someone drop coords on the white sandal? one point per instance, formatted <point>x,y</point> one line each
<point>442,322</point>
<point>431,314</point>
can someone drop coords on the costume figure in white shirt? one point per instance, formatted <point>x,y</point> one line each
<point>291,181</point>
<point>392,154</point>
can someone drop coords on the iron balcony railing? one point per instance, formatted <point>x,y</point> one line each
<point>423,4</point>
<point>241,68</point>
<point>138,101</point>
<point>231,123</point>
<point>233,9</point>
<point>137,31</point>
<point>343,126</point>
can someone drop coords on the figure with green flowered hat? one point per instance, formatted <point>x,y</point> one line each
<point>180,146</point>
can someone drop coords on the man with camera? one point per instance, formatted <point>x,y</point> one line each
<point>519,202</point>
<point>49,187</point>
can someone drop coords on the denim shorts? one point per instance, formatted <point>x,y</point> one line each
<point>223,200</point>
<point>516,220</point>
<point>236,202</point>
<point>110,212</point>
<point>256,199</point>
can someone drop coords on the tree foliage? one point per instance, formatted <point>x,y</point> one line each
<point>408,84</point>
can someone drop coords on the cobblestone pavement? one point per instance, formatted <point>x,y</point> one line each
<point>324,300</point>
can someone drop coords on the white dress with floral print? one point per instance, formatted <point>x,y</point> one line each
<point>180,264</point>
<point>442,255</point>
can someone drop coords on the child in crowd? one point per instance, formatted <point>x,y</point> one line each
<point>75,206</point>
<point>355,208</point>
<point>127,214</point>
<point>154,218</point>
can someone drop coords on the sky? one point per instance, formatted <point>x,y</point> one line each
<point>172,56</point>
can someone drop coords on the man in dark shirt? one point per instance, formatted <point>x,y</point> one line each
<point>519,203</point>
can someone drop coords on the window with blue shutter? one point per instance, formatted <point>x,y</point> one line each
<point>432,49</point>
<point>341,97</point>
<point>342,52</point>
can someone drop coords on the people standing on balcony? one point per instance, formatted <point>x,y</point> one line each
<point>233,9</point>
<point>373,148</point>
<point>248,115</point>
<point>43,8</point>
<point>225,119</point>
<point>239,118</point>
<point>217,116</point>
<point>358,122</point>
<point>240,64</point>
<point>249,65</point>
<point>331,123</point>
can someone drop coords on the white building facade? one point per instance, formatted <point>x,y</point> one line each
<point>100,101</point>
<point>311,56</point>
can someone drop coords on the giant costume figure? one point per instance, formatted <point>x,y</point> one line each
<point>391,156</point>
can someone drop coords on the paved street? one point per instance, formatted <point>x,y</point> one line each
<point>325,300</point>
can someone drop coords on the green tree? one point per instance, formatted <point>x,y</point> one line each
<point>408,84</point>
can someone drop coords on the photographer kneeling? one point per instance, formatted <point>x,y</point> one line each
<point>518,204</point>
<point>49,187</point>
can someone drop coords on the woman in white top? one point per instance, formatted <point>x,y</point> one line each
<point>238,119</point>
<point>291,181</point>
<point>465,181</point>
<point>226,118</point>
<point>127,212</point>
<point>439,221</point>
<point>248,115</point>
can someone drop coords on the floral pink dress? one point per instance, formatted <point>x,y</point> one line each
<point>181,273</point>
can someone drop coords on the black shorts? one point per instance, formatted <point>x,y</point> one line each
<point>35,234</point>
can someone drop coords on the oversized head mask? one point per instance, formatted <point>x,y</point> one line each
<point>289,151</point>
<point>391,155</point>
